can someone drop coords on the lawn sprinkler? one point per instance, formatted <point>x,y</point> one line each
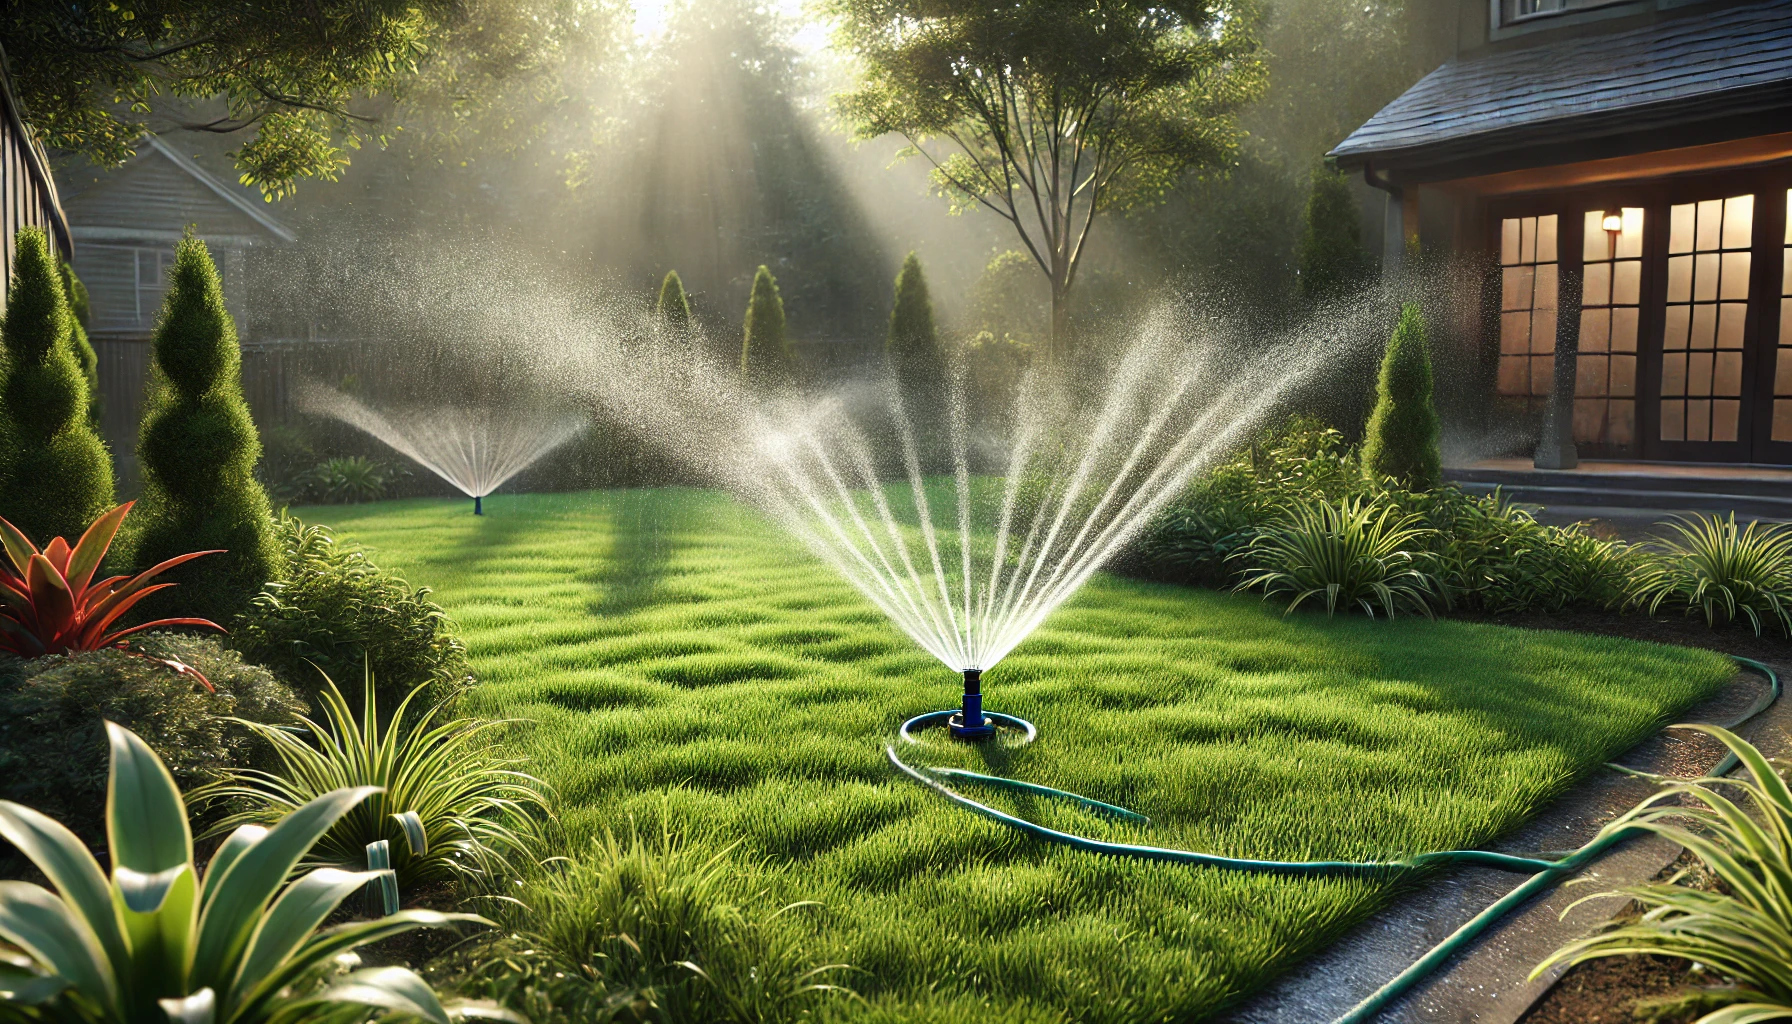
<point>969,721</point>
<point>479,504</point>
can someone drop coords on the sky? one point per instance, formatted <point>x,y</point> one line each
<point>811,35</point>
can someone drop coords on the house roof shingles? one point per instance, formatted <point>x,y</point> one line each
<point>1732,61</point>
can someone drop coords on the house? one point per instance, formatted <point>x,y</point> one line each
<point>27,188</point>
<point>125,223</point>
<point>1621,168</point>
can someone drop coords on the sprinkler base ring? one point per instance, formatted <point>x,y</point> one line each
<point>951,719</point>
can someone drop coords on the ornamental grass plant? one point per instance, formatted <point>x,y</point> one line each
<point>1740,829</point>
<point>1724,572</point>
<point>448,805</point>
<point>1355,553</point>
<point>649,927</point>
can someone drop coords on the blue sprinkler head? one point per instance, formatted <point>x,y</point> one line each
<point>479,504</point>
<point>969,723</point>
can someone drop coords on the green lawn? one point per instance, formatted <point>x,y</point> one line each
<point>681,657</point>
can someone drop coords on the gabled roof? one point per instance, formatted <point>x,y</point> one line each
<point>157,194</point>
<point>1726,63</point>
<point>228,193</point>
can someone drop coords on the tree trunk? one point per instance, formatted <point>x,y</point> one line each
<point>1059,345</point>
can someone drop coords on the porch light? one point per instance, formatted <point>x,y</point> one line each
<point>1613,223</point>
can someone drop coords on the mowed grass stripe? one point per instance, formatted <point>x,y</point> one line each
<point>679,657</point>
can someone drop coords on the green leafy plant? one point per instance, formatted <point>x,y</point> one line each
<point>58,474</point>
<point>1401,440</point>
<point>1725,572</point>
<point>449,807</point>
<point>1740,829</point>
<point>53,749</point>
<point>1351,553</point>
<point>348,480</point>
<point>1195,539</point>
<point>1491,555</point>
<point>158,941</point>
<point>50,603</point>
<point>331,609</point>
<point>198,447</point>
<point>649,928</point>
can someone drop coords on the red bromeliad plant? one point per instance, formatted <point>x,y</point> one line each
<point>50,604</point>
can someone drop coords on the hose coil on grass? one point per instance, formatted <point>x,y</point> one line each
<point>1546,873</point>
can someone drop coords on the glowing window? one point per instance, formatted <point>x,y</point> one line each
<point>1611,297</point>
<point>1782,375</point>
<point>1707,309</point>
<point>1527,306</point>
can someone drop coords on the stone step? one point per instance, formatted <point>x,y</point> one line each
<point>1749,498</point>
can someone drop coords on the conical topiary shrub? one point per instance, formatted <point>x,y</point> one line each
<point>57,475</point>
<point>1331,257</point>
<point>672,313</point>
<point>198,449</point>
<point>1403,429</point>
<point>913,345</point>
<point>765,358</point>
<point>85,356</point>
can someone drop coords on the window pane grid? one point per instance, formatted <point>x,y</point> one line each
<point>1611,297</point>
<point>1528,288</point>
<point>1707,310</point>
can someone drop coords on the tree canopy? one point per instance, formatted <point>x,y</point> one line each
<point>298,80</point>
<point>1050,112</point>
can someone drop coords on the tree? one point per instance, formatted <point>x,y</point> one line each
<point>672,313</point>
<point>765,357</point>
<point>85,356</point>
<point>1403,429</point>
<point>90,75</point>
<point>1050,112</point>
<point>1330,256</point>
<point>58,474</point>
<point>198,449</point>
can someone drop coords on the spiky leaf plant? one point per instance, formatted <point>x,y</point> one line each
<point>157,941</point>
<point>1402,437</point>
<point>765,357</point>
<point>57,472</point>
<point>1354,553</point>
<point>198,449</point>
<point>1723,571</point>
<point>448,806</point>
<point>1741,831</point>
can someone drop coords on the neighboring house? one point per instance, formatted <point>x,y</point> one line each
<point>1623,168</point>
<point>126,222</point>
<point>27,189</point>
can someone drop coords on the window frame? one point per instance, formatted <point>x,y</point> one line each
<point>1768,184</point>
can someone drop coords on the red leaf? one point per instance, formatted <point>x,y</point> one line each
<point>91,549</point>
<point>18,547</point>
<point>57,552</point>
<point>51,599</point>
<point>157,624</point>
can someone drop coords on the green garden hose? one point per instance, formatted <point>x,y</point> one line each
<point>1546,872</point>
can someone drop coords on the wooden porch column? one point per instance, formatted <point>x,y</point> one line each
<point>1555,448</point>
